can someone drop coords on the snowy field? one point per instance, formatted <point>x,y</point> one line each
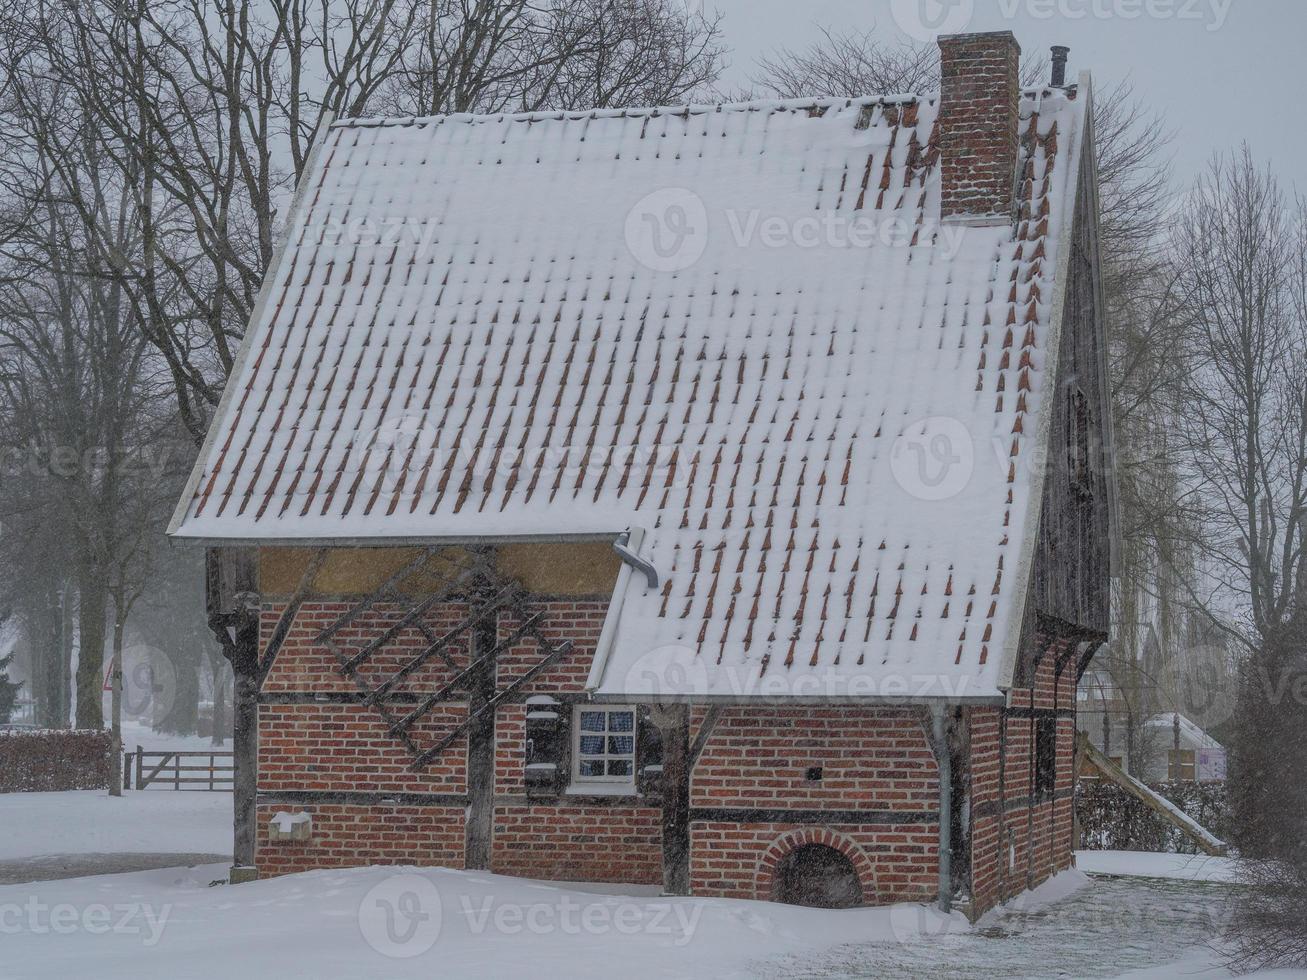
<point>93,822</point>
<point>403,922</point>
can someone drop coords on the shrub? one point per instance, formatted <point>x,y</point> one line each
<point>53,760</point>
<point>1112,819</point>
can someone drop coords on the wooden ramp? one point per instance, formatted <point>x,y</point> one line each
<point>1164,808</point>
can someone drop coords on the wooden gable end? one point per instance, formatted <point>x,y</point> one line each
<point>1070,584</point>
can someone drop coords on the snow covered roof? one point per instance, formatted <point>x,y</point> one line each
<point>742,329</point>
<point>1190,733</point>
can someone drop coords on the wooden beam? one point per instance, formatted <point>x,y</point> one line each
<point>382,591</point>
<point>673,720</point>
<point>478,665</point>
<point>439,644</point>
<point>287,618</point>
<point>478,831</point>
<point>490,705</point>
<point>353,663</point>
<point>1168,811</point>
<point>705,732</point>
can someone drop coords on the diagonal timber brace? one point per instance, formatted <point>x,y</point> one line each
<point>459,682</point>
<point>440,644</point>
<point>469,577</point>
<point>549,659</point>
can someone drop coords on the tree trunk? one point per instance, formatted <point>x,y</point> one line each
<point>116,712</point>
<point>93,599</point>
<point>66,635</point>
<point>48,662</point>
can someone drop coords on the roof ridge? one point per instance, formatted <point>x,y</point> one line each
<point>688,109</point>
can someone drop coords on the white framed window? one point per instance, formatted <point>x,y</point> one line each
<point>603,745</point>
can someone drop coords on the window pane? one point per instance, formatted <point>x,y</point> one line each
<point>621,721</point>
<point>591,767</point>
<point>620,744</point>
<point>592,721</point>
<point>619,767</point>
<point>592,745</point>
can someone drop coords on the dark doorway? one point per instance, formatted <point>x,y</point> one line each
<point>819,877</point>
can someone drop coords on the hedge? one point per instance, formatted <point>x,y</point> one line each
<point>1111,819</point>
<point>53,760</point>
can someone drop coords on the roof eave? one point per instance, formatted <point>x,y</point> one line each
<point>270,277</point>
<point>877,700</point>
<point>398,540</point>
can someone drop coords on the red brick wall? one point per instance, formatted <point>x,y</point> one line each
<point>579,842</point>
<point>1018,843</point>
<point>344,748</point>
<point>345,836</point>
<point>980,88</point>
<point>874,761</point>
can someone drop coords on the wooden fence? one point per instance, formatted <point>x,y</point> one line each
<point>189,770</point>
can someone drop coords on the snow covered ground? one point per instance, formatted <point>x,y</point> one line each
<point>406,922</point>
<point>93,822</point>
<point>1151,919</point>
<point>1188,867</point>
<point>397,923</point>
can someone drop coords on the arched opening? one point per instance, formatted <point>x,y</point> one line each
<point>819,877</point>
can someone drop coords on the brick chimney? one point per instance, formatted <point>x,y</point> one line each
<point>980,86</point>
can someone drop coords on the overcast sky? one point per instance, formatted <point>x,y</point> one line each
<point>1222,71</point>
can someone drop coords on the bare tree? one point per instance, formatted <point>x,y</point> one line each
<point>848,65</point>
<point>852,65</point>
<point>208,110</point>
<point>1241,253</point>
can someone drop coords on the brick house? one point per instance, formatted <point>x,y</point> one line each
<point>706,496</point>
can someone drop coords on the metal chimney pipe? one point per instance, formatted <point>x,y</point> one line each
<point>1060,52</point>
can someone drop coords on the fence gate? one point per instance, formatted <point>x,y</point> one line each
<point>191,770</point>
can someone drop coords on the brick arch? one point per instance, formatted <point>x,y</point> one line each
<point>767,882</point>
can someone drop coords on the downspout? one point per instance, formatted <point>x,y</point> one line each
<point>944,761</point>
<point>627,547</point>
